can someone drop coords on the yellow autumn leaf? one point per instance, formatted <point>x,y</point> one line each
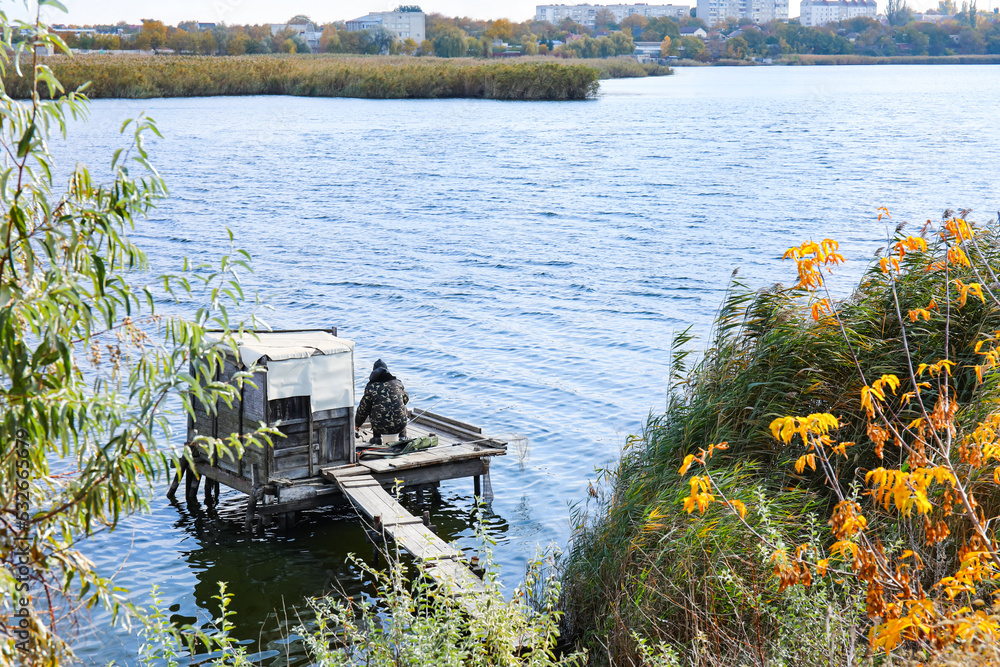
<point>776,428</point>
<point>739,507</point>
<point>957,256</point>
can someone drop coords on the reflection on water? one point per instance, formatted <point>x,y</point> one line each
<point>521,266</point>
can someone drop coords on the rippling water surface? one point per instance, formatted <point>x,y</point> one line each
<point>519,265</point>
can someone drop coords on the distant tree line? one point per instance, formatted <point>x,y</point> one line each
<point>859,36</point>
<point>446,37</point>
<point>966,31</point>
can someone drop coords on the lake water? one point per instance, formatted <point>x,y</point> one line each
<point>521,266</point>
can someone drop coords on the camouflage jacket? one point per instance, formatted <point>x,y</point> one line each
<point>385,403</point>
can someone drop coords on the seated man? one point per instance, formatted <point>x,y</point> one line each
<point>385,401</point>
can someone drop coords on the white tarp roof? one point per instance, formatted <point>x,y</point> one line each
<point>304,363</point>
<point>278,346</point>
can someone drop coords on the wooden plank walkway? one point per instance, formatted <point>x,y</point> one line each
<point>408,532</point>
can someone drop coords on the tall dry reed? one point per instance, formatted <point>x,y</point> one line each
<point>144,76</point>
<point>642,569</point>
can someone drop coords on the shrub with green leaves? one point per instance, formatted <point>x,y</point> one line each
<point>417,623</point>
<point>408,621</point>
<point>91,372</point>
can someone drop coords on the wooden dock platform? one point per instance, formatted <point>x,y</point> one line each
<point>462,451</point>
<point>443,561</point>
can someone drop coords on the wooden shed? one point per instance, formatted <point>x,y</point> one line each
<point>304,388</point>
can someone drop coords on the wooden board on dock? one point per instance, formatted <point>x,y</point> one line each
<point>455,578</point>
<point>434,456</point>
<point>406,530</point>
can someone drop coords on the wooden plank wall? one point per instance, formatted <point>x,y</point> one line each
<point>242,417</point>
<point>332,441</point>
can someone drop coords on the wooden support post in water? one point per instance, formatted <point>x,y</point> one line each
<point>477,487</point>
<point>309,449</point>
<point>252,502</point>
<point>286,521</point>
<point>191,490</point>
<point>377,536</point>
<point>178,475</point>
<point>251,508</point>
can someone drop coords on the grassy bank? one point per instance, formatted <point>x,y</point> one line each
<point>642,570</point>
<point>140,76</point>
<point>888,60</point>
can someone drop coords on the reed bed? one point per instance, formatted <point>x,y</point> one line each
<point>117,76</point>
<point>642,571</point>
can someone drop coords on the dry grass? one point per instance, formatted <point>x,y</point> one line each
<point>144,76</point>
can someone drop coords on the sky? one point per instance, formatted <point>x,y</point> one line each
<point>172,12</point>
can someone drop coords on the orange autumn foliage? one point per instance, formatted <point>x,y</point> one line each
<point>944,463</point>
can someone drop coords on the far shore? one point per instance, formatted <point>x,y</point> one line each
<point>390,77</point>
<point>847,59</point>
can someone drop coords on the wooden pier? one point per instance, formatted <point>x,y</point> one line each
<point>390,520</point>
<point>305,390</point>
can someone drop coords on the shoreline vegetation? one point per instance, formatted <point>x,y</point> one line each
<point>853,59</point>
<point>745,557</point>
<point>537,78</point>
<point>795,59</point>
<point>376,77</point>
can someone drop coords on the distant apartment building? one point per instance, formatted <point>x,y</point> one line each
<point>406,25</point>
<point>758,11</point>
<point>932,18</point>
<point>820,12</point>
<point>585,14</point>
